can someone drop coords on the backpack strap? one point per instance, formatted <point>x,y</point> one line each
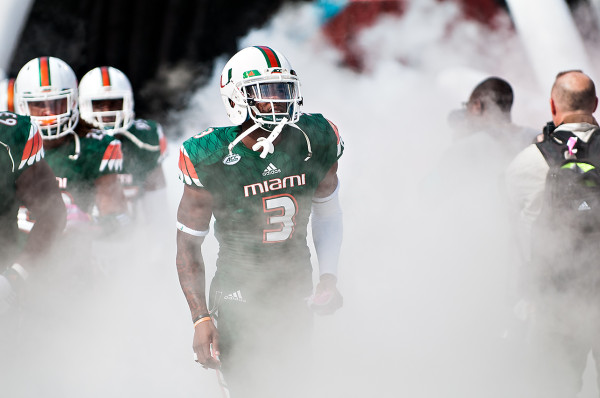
<point>593,147</point>
<point>556,144</point>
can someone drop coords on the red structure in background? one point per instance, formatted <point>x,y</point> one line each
<point>343,28</point>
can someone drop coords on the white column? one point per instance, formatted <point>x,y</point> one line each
<point>550,37</point>
<point>13,15</point>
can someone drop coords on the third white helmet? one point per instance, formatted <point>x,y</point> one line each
<point>106,99</point>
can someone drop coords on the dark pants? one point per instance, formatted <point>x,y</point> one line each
<point>264,329</point>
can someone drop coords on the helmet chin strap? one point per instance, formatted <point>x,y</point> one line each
<point>75,155</point>
<point>265,145</point>
<point>242,136</point>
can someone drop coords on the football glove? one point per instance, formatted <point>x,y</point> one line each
<point>326,302</point>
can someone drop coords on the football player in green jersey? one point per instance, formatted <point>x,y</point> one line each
<point>261,179</point>
<point>106,102</point>
<point>26,179</point>
<point>85,161</point>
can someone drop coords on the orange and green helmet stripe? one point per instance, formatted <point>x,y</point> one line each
<point>270,56</point>
<point>105,76</point>
<point>44,72</point>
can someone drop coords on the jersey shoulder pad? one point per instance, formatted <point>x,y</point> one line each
<point>104,149</point>
<point>203,149</point>
<point>322,132</point>
<point>145,130</point>
<point>148,135</point>
<point>142,126</point>
<point>210,146</point>
<point>22,139</point>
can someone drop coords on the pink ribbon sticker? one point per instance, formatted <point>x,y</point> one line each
<point>571,144</point>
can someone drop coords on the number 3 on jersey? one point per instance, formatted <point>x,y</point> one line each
<point>281,209</point>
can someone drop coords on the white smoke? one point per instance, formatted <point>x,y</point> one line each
<point>425,311</point>
<point>420,319</point>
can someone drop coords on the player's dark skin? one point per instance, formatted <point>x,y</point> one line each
<point>108,105</point>
<point>36,187</point>
<point>195,211</point>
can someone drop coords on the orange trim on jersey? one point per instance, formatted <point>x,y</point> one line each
<point>105,76</point>
<point>10,95</point>
<point>335,130</point>
<point>113,151</point>
<point>34,148</point>
<point>44,72</point>
<point>162,143</point>
<point>113,157</point>
<point>186,166</point>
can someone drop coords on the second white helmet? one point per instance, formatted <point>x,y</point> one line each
<point>106,99</point>
<point>46,90</point>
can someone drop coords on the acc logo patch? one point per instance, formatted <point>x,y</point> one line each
<point>231,159</point>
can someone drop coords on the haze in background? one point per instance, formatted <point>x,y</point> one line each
<point>425,277</point>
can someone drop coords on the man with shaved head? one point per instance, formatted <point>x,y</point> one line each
<point>560,278</point>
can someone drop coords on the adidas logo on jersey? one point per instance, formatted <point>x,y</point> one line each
<point>235,296</point>
<point>584,206</point>
<point>271,169</point>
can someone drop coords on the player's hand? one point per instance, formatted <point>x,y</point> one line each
<point>327,298</point>
<point>206,345</point>
<point>8,295</point>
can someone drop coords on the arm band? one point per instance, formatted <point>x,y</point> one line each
<point>18,268</point>
<point>190,231</point>
<point>327,231</point>
<point>201,318</point>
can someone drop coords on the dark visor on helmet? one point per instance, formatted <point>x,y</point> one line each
<point>49,107</point>
<point>271,91</point>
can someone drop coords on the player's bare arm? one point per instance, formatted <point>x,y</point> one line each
<point>109,195</point>
<point>193,217</point>
<point>38,190</point>
<point>328,185</point>
<point>155,180</point>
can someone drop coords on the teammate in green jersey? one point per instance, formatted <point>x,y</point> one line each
<point>26,179</point>
<point>261,179</point>
<point>106,102</point>
<point>85,161</point>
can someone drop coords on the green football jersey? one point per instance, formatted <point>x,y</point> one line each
<point>144,147</point>
<point>21,146</point>
<point>262,206</point>
<point>99,154</point>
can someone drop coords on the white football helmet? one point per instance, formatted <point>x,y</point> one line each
<point>259,82</point>
<point>46,90</point>
<point>106,99</point>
